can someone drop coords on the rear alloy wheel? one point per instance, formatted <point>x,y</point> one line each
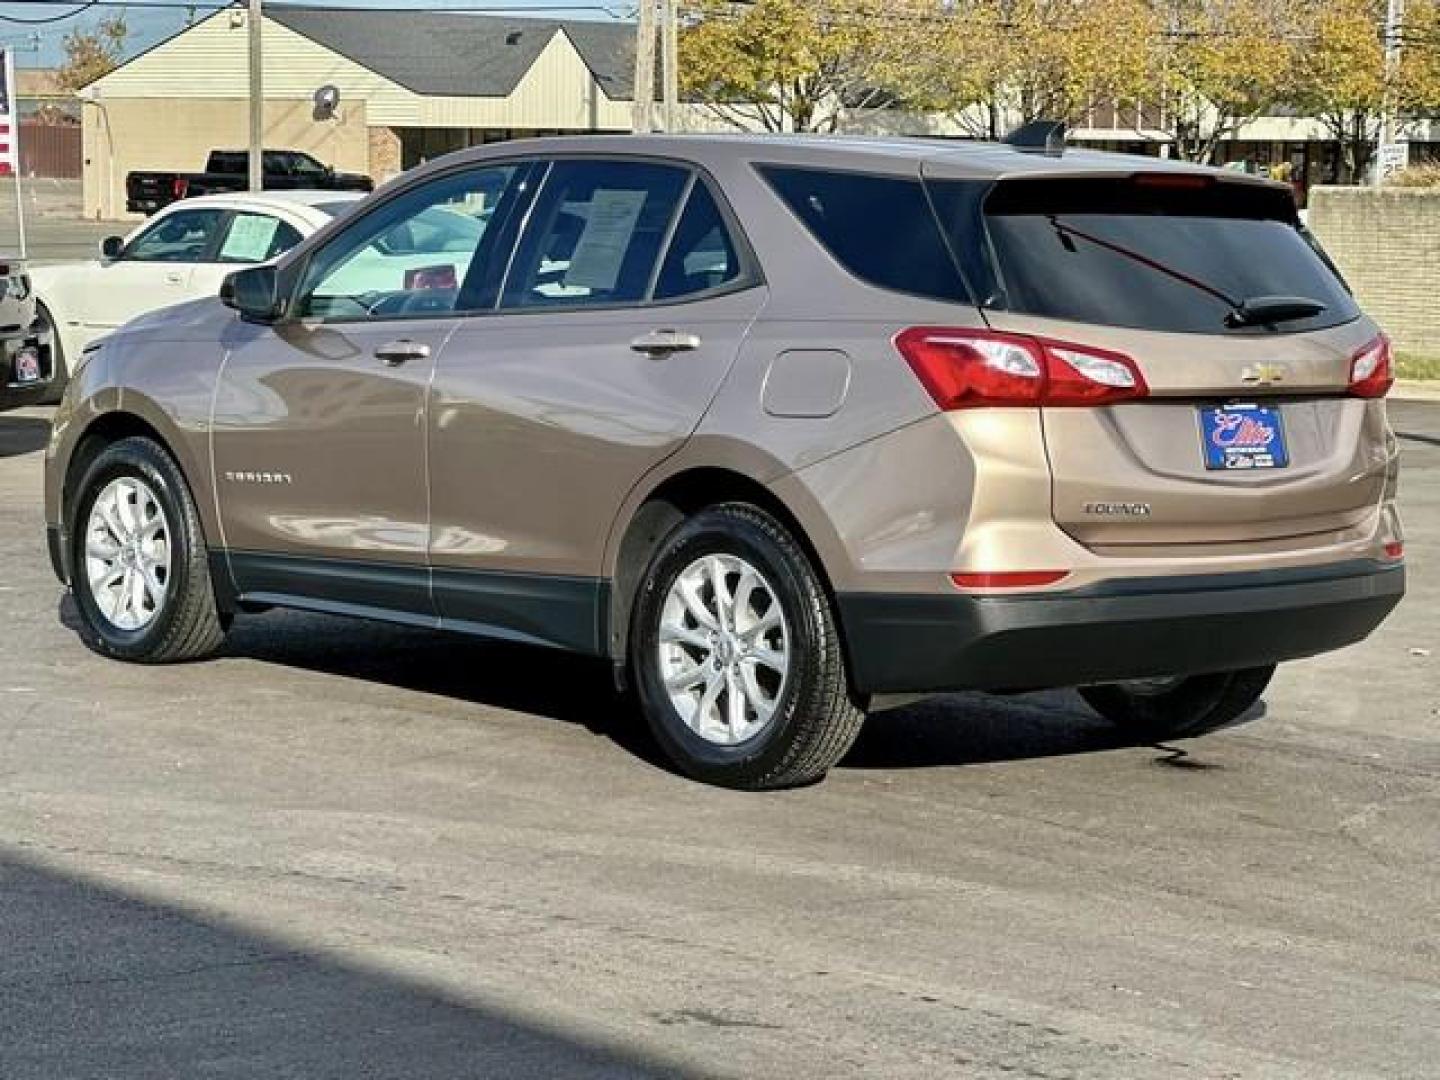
<point>140,570</point>
<point>1179,707</point>
<point>736,655</point>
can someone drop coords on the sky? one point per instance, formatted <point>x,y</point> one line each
<point>41,45</point>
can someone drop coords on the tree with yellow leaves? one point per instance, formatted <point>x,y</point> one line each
<point>1346,83</point>
<point>993,63</point>
<point>1222,64</point>
<point>794,65</point>
<point>92,53</point>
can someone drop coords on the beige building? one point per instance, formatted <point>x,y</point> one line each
<point>412,85</point>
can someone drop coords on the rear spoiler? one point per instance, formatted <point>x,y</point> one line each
<point>1038,137</point>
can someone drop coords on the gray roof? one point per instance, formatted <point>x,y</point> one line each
<point>437,53</point>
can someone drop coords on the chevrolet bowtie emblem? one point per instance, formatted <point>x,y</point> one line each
<point>1264,374</point>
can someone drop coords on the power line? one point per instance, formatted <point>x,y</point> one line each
<point>50,18</point>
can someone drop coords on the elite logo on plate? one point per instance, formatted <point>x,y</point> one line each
<point>1237,437</point>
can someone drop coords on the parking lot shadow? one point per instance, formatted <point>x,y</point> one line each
<point>543,682</point>
<point>22,435</point>
<point>102,984</point>
<point>946,731</point>
<point>975,729</point>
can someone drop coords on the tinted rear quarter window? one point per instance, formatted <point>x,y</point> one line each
<point>879,228</point>
<point>1150,256</point>
<point>702,255</point>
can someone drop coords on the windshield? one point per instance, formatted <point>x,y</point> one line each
<point>1170,255</point>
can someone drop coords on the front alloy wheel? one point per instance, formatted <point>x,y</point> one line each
<point>127,553</point>
<point>139,565</point>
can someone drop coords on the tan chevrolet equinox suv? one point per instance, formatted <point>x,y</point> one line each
<point>786,428</point>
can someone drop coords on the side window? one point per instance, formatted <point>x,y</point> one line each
<point>181,236</point>
<point>252,238</point>
<point>880,228</point>
<point>701,255</point>
<point>595,234</point>
<point>412,255</point>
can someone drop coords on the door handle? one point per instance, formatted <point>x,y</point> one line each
<point>662,342</point>
<point>398,352</point>
<point>174,277</point>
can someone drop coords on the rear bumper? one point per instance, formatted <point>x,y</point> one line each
<point>1137,628</point>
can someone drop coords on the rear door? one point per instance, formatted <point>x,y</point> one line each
<point>1246,433</point>
<point>615,324</point>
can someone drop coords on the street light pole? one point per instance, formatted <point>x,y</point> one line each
<point>670,63</point>
<point>1394,13</point>
<point>257,98</point>
<point>643,117</point>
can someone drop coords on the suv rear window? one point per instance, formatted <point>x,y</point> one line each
<point>1153,253</point>
<point>879,228</point>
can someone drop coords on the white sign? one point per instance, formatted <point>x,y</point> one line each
<point>1392,158</point>
<point>600,251</point>
<point>250,238</point>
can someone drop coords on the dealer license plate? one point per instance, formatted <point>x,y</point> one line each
<point>1239,437</point>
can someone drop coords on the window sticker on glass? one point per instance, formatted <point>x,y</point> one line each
<point>599,253</point>
<point>249,238</point>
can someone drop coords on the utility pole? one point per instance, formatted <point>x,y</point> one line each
<point>670,63</point>
<point>1394,15</point>
<point>643,119</point>
<point>257,98</point>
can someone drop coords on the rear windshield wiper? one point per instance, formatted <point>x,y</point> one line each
<point>1252,311</point>
<point>1264,310</point>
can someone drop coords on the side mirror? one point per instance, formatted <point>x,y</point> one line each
<point>254,293</point>
<point>111,248</point>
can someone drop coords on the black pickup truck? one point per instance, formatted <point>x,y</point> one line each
<point>228,170</point>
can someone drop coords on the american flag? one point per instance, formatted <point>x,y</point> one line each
<point>9,140</point>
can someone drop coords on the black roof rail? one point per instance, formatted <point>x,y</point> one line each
<point>1038,137</point>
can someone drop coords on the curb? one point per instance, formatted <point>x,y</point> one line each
<point>1416,390</point>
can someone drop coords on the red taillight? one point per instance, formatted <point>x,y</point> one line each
<point>1372,369</point>
<point>1009,579</point>
<point>179,187</point>
<point>1394,550</point>
<point>964,368</point>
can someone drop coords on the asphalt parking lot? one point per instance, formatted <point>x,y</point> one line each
<point>349,850</point>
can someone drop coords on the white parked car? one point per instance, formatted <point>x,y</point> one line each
<point>186,250</point>
<point>182,253</point>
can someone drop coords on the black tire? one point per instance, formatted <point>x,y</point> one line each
<point>60,377</point>
<point>1184,709</point>
<point>816,717</point>
<point>187,624</point>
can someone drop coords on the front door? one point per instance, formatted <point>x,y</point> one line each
<point>320,421</point>
<point>153,270</point>
<point>619,317</point>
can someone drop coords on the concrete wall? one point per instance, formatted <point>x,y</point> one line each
<point>126,134</point>
<point>1387,244</point>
